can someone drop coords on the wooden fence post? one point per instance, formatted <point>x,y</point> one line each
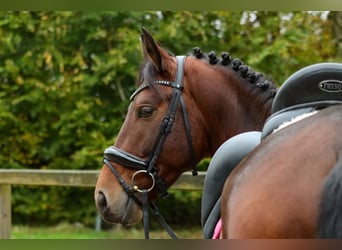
<point>5,211</point>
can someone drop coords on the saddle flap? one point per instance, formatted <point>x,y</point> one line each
<point>226,158</point>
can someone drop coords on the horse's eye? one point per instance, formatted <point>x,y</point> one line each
<point>145,112</point>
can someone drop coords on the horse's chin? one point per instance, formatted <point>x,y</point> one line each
<point>128,214</point>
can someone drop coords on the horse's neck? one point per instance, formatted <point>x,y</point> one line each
<point>229,109</point>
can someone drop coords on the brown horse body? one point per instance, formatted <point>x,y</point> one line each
<point>275,191</point>
<point>289,186</point>
<point>223,98</point>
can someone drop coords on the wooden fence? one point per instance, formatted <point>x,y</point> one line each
<point>68,178</point>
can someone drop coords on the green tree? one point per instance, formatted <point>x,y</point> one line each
<point>336,19</point>
<point>65,78</point>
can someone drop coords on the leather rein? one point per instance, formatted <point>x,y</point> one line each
<point>147,167</point>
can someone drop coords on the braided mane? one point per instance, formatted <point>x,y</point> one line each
<point>244,71</point>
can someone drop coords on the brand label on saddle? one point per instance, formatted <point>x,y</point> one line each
<point>331,85</point>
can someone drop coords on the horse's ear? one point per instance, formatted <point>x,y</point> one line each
<point>151,50</point>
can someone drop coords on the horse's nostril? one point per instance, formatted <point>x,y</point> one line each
<point>101,201</point>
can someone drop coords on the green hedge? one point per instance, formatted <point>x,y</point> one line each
<point>65,78</point>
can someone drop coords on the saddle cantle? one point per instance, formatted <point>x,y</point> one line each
<point>311,88</point>
<point>314,84</point>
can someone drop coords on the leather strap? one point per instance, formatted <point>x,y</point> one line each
<point>145,213</point>
<point>189,137</point>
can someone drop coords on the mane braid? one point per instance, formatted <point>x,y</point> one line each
<point>244,71</point>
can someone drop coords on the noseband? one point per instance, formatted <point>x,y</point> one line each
<point>147,167</point>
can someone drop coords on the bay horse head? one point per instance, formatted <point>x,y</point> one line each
<point>184,108</point>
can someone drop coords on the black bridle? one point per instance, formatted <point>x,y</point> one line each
<point>114,154</point>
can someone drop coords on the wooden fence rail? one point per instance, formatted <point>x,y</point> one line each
<point>67,178</point>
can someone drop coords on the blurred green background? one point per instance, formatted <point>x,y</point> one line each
<point>65,79</point>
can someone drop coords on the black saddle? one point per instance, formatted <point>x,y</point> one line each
<point>316,83</point>
<point>311,88</point>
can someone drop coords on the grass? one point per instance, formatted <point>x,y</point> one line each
<point>67,231</point>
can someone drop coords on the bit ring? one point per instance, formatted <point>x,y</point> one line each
<point>136,188</point>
